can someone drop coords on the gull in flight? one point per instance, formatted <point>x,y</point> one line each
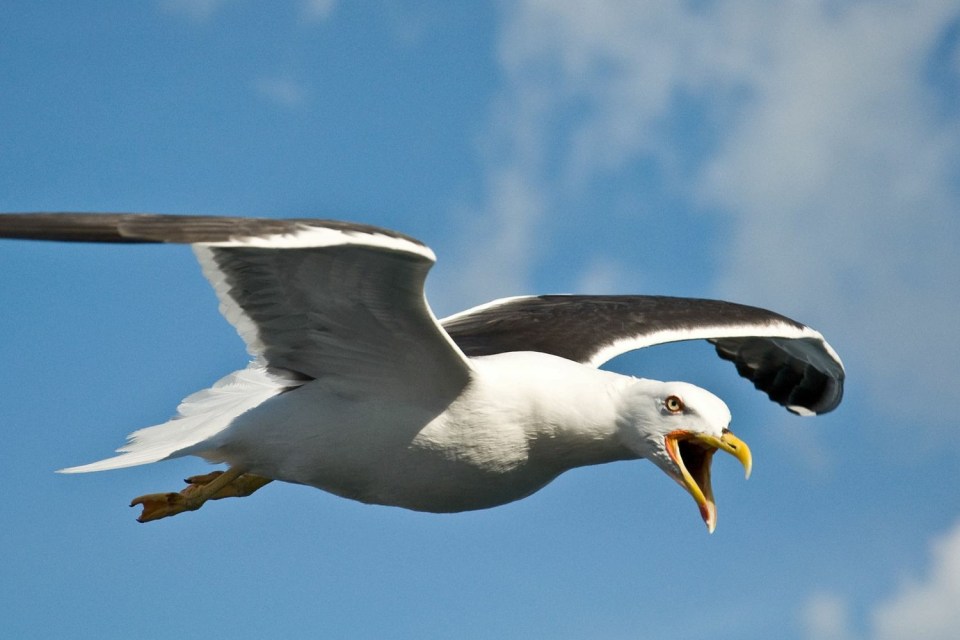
<point>356,388</point>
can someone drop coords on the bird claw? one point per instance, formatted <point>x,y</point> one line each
<point>199,489</point>
<point>162,505</point>
<point>206,478</point>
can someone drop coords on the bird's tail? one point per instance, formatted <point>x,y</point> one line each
<point>199,417</point>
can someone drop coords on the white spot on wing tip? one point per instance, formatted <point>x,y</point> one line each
<point>801,411</point>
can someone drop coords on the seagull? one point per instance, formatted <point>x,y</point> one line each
<point>356,388</point>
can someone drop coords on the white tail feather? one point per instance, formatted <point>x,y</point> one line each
<point>199,417</point>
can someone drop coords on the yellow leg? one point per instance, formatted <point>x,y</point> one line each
<point>239,487</point>
<point>232,483</point>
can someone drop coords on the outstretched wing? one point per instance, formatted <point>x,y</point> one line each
<point>311,298</point>
<point>790,362</point>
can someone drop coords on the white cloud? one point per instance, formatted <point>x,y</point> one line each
<point>956,59</point>
<point>926,608</point>
<point>197,10</point>
<point>822,147</point>
<point>826,616</point>
<point>318,10</point>
<point>500,243</point>
<point>604,275</point>
<point>281,90</point>
<point>837,175</point>
<point>201,10</point>
<point>498,246</point>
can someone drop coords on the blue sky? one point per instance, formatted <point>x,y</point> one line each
<point>801,156</point>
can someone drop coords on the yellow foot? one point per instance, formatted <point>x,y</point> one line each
<point>240,487</point>
<point>161,505</point>
<point>211,486</point>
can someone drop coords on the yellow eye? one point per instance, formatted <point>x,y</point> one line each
<point>673,404</point>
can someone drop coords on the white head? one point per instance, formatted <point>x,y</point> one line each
<point>678,427</point>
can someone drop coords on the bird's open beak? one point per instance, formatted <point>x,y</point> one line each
<point>693,454</point>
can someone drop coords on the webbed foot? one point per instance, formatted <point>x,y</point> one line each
<point>232,483</point>
<point>162,505</point>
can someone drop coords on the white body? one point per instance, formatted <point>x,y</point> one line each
<point>549,415</point>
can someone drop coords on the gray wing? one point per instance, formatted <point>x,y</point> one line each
<point>317,298</point>
<point>790,362</point>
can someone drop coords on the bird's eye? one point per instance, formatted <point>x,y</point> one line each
<point>673,404</point>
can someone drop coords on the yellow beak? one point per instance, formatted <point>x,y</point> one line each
<point>693,454</point>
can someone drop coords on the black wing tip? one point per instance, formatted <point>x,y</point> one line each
<point>165,228</point>
<point>66,227</point>
<point>828,399</point>
<point>800,374</point>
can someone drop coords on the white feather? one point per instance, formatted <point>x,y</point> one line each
<point>200,416</point>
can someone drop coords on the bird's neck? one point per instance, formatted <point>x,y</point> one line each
<point>574,448</point>
<point>571,413</point>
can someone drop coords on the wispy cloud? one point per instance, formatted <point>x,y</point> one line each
<point>318,10</point>
<point>923,608</point>
<point>604,275</point>
<point>837,175</point>
<point>281,90</point>
<point>927,607</point>
<point>819,139</point>
<point>203,10</point>
<point>499,242</point>
<point>826,616</point>
<point>196,10</point>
